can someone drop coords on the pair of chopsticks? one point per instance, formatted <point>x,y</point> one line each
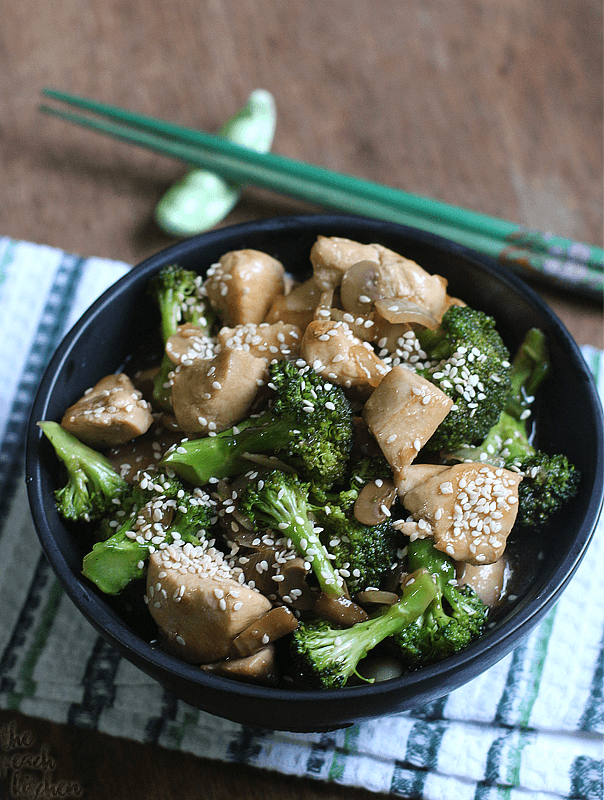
<point>551,260</point>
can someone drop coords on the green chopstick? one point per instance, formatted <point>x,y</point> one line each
<point>553,260</point>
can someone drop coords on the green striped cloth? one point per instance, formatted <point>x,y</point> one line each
<point>529,728</point>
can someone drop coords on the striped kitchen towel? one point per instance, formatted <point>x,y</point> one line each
<point>531,728</point>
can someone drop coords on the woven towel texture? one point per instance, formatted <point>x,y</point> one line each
<point>530,727</point>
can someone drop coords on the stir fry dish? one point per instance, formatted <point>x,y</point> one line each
<point>314,483</point>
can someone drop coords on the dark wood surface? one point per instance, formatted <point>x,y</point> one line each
<point>495,106</point>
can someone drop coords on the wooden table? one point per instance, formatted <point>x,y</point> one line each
<point>495,106</point>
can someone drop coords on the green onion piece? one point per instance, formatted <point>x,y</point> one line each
<point>201,199</point>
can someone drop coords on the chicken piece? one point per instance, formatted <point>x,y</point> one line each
<point>363,327</point>
<point>487,580</point>
<point>297,307</point>
<point>242,286</point>
<point>189,344</point>
<point>198,606</point>
<point>332,256</point>
<point>272,342</point>
<point>416,474</point>
<point>211,396</point>
<point>110,413</point>
<point>402,414</point>
<point>468,509</point>
<point>341,357</point>
<point>366,283</point>
<point>388,336</point>
<point>261,667</point>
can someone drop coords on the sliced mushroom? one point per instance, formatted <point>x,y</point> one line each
<point>339,610</point>
<point>372,506</point>
<point>261,667</point>
<point>376,597</point>
<point>292,586</point>
<point>362,285</point>
<point>259,568</point>
<point>400,310</point>
<point>110,413</point>
<point>144,452</point>
<point>277,622</point>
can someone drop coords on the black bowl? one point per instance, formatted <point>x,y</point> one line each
<point>569,421</point>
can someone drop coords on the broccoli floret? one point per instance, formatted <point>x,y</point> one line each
<point>549,481</point>
<point>469,362</point>
<point>327,656</point>
<point>92,485</point>
<point>362,553</point>
<point>158,510</point>
<point>454,618</point>
<point>308,425</point>
<point>179,295</point>
<point>369,468</point>
<point>279,500</point>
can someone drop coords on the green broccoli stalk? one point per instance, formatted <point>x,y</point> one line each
<point>279,500</point>
<point>468,361</point>
<point>327,656</point>
<point>179,296</point>
<point>308,425</point>
<point>549,481</point>
<point>454,618</point>
<point>93,485</point>
<point>159,510</point>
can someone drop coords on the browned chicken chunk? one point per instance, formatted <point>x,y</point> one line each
<point>296,307</point>
<point>261,667</point>
<point>402,414</point>
<point>338,355</point>
<point>398,289</point>
<point>197,604</point>
<point>211,396</point>
<point>487,580</point>
<point>189,344</point>
<point>332,256</point>
<point>468,509</point>
<point>110,413</point>
<point>242,286</point>
<point>272,342</point>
